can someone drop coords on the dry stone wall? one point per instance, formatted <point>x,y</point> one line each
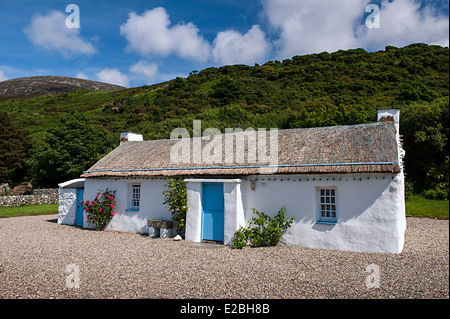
<point>37,197</point>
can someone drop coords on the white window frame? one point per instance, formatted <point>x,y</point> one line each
<point>327,205</point>
<point>135,197</point>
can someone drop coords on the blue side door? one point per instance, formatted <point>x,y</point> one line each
<point>213,211</point>
<point>79,209</point>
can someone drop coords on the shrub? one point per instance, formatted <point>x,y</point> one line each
<point>100,211</point>
<point>440,192</point>
<point>409,189</point>
<point>263,230</point>
<point>176,200</point>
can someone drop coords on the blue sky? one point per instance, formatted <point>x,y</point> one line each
<point>137,42</point>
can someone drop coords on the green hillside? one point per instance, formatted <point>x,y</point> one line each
<point>344,87</point>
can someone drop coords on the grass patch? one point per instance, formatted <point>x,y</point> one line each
<point>419,206</point>
<point>28,210</point>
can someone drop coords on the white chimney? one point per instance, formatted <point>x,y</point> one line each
<point>387,115</point>
<point>393,115</point>
<point>130,137</point>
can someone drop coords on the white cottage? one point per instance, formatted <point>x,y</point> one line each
<point>344,185</point>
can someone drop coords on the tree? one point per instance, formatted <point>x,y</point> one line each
<point>69,149</point>
<point>14,147</point>
<point>425,131</point>
<point>226,91</point>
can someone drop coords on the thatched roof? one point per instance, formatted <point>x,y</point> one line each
<point>365,148</point>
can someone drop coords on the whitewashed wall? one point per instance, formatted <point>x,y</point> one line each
<point>194,215</point>
<point>67,206</point>
<point>151,203</point>
<point>370,215</point>
<point>67,197</point>
<point>371,210</point>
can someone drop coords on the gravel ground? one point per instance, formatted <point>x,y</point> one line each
<point>35,253</point>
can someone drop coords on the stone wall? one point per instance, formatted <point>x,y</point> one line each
<point>37,197</point>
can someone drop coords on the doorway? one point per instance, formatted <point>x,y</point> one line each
<point>212,212</point>
<point>79,213</point>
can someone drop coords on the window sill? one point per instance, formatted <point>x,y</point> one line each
<point>132,210</point>
<point>326,222</point>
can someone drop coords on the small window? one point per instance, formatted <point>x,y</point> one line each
<point>135,196</point>
<point>327,205</point>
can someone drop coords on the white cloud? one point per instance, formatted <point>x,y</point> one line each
<point>151,33</point>
<point>312,26</point>
<point>402,23</point>
<point>148,70</point>
<point>81,75</point>
<point>49,32</point>
<point>231,47</point>
<point>2,76</point>
<point>113,76</point>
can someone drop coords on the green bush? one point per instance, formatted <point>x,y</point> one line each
<point>440,192</point>
<point>176,200</point>
<point>409,189</point>
<point>263,230</point>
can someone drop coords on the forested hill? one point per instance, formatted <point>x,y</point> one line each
<point>312,90</point>
<point>343,87</point>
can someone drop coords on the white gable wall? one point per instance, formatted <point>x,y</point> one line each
<point>67,206</point>
<point>151,202</point>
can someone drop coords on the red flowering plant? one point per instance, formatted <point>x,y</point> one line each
<point>100,211</point>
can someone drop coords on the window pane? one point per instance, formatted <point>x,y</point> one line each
<point>135,195</point>
<point>328,207</point>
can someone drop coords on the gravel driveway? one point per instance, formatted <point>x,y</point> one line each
<point>41,259</point>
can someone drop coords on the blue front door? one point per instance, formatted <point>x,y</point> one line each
<point>213,211</point>
<point>79,210</point>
